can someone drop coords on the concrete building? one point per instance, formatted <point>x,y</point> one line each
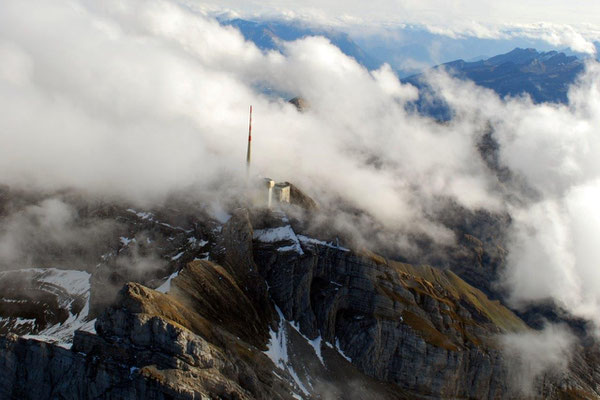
<point>281,191</point>
<point>270,183</point>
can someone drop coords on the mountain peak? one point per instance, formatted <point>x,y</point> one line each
<point>516,56</point>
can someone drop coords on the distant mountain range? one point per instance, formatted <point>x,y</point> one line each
<point>545,76</point>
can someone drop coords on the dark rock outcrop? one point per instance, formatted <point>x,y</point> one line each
<point>394,319</point>
<point>301,199</point>
<point>270,314</point>
<point>149,345</point>
<point>423,329</point>
<point>300,103</point>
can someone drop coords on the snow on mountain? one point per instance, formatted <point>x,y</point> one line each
<point>280,234</point>
<point>48,304</point>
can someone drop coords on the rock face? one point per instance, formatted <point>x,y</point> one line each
<point>33,299</point>
<point>271,314</point>
<point>393,319</point>
<point>139,352</point>
<point>423,329</point>
<point>234,252</point>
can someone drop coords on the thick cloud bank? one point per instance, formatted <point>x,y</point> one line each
<point>140,99</point>
<point>532,354</point>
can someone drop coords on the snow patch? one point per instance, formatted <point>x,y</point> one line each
<point>62,334</point>
<point>166,286</point>
<point>89,326</point>
<point>20,321</point>
<point>309,240</point>
<point>148,216</point>
<point>298,381</point>
<point>177,256</point>
<point>293,247</point>
<point>76,284</point>
<point>125,241</point>
<point>132,371</point>
<point>315,343</point>
<point>275,234</point>
<point>178,228</point>
<point>143,215</point>
<point>197,243</point>
<point>277,348</point>
<point>278,353</point>
<point>339,350</point>
<point>280,234</point>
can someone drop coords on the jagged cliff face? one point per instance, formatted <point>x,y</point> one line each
<point>252,309</point>
<point>390,319</point>
<point>148,345</point>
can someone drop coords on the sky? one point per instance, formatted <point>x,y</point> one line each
<point>574,24</point>
<point>424,11</point>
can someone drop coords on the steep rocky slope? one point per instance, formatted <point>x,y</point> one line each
<point>249,308</point>
<point>390,319</point>
<point>46,302</point>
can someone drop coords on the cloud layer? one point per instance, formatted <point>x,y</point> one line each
<point>531,355</point>
<point>149,98</point>
<point>575,25</point>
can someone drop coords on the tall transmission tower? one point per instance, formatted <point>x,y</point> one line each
<point>249,152</point>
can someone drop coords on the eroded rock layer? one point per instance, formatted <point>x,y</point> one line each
<point>271,314</point>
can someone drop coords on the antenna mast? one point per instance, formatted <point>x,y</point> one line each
<point>249,153</point>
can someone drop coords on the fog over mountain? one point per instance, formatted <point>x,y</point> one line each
<point>143,101</point>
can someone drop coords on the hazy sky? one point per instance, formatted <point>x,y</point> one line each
<point>563,23</point>
<point>425,11</point>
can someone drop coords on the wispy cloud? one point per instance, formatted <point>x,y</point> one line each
<point>575,26</point>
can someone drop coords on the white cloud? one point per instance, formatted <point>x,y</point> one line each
<point>146,98</point>
<point>575,25</point>
<point>44,232</point>
<point>558,35</point>
<point>554,253</point>
<point>553,148</point>
<point>531,355</point>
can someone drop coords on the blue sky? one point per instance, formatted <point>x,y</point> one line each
<point>574,24</point>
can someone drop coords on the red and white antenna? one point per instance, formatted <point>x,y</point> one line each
<point>249,153</point>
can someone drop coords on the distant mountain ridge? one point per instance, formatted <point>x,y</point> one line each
<point>545,76</point>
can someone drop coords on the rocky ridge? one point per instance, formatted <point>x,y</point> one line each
<point>252,309</point>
